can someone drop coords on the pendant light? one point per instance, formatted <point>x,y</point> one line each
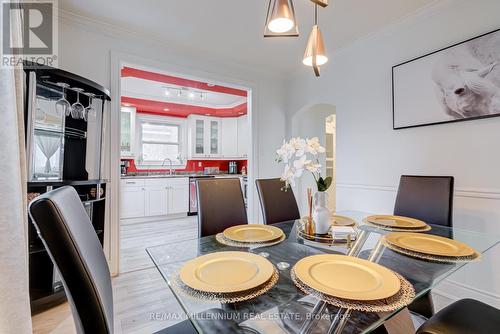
<point>322,3</point>
<point>280,20</point>
<point>315,54</point>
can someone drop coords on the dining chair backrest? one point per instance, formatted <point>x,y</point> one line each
<point>428,198</point>
<point>277,203</point>
<point>220,205</point>
<point>71,241</point>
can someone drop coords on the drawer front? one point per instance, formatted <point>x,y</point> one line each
<point>132,182</point>
<point>166,181</point>
<point>179,181</point>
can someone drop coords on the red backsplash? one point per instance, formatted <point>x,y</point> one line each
<point>192,166</point>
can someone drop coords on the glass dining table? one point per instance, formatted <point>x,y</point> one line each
<point>285,308</point>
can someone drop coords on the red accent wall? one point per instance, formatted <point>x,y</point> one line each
<point>181,110</point>
<point>192,166</point>
<point>168,79</point>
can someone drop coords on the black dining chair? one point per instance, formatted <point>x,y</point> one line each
<point>277,203</point>
<point>220,205</point>
<point>463,317</point>
<point>71,242</point>
<point>430,199</point>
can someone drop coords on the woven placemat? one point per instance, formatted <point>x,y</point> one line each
<point>429,257</point>
<point>228,242</point>
<point>401,299</point>
<point>177,284</point>
<point>397,229</point>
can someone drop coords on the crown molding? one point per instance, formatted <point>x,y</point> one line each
<point>411,18</point>
<point>125,32</point>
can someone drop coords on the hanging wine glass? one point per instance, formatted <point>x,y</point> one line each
<point>77,109</point>
<point>89,113</point>
<point>63,107</point>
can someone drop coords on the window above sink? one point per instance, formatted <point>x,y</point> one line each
<point>161,142</point>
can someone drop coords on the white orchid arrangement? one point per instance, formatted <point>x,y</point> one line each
<point>301,155</point>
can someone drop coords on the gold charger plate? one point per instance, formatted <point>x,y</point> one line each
<point>429,244</point>
<point>226,272</point>
<point>253,233</point>
<point>342,221</point>
<point>347,277</point>
<point>396,221</point>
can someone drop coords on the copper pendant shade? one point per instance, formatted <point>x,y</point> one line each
<point>315,54</point>
<point>281,22</point>
<point>280,19</point>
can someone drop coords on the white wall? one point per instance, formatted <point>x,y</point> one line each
<point>371,155</point>
<point>86,48</point>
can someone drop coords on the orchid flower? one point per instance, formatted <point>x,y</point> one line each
<point>301,155</point>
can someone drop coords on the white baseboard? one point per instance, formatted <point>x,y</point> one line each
<point>455,290</point>
<point>128,221</point>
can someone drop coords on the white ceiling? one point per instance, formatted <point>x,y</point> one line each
<point>233,29</point>
<point>152,90</point>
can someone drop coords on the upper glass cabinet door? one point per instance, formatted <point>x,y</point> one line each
<point>214,137</point>
<point>200,136</point>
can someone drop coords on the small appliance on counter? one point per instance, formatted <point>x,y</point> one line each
<point>211,170</point>
<point>233,167</point>
<point>124,165</point>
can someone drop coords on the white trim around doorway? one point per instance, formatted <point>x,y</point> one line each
<point>118,60</point>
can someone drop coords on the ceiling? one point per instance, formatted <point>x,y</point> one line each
<point>158,93</point>
<point>233,29</point>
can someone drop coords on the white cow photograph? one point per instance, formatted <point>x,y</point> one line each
<point>461,82</point>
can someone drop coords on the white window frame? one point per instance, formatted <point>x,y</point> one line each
<point>181,123</point>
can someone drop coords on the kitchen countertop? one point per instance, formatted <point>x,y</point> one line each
<point>221,175</point>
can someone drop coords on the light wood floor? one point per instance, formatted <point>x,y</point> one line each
<point>141,296</point>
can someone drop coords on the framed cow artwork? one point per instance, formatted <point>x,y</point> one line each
<point>457,83</point>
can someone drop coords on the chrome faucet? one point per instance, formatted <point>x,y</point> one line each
<point>171,165</point>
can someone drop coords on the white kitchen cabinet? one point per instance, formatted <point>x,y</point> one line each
<point>205,136</point>
<point>178,201</point>
<point>156,200</point>
<point>132,202</point>
<point>214,137</point>
<point>127,129</point>
<point>243,136</point>
<point>229,137</point>
<point>154,197</point>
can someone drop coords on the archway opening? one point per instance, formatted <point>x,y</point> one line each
<point>317,121</point>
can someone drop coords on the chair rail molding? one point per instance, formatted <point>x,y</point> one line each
<point>470,192</point>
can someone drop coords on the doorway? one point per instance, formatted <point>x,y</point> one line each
<point>317,121</point>
<point>186,161</point>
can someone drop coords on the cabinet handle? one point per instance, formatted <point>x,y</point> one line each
<point>130,182</point>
